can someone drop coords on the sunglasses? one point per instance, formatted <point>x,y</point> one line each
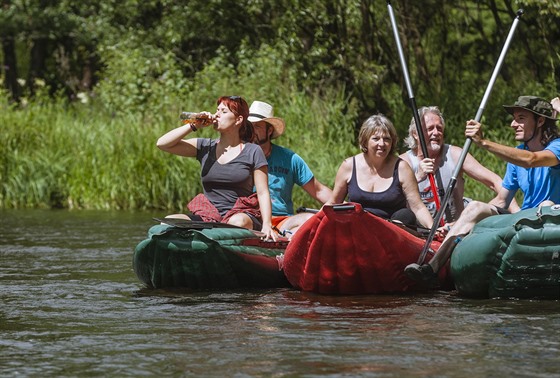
<point>235,98</point>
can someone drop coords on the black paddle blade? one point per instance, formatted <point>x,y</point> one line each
<point>197,225</point>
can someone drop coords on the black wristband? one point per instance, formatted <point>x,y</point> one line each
<point>193,128</point>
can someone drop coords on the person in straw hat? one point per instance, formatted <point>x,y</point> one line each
<point>533,166</point>
<point>285,169</point>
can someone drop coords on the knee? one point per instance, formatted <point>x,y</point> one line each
<point>295,221</point>
<point>546,203</point>
<point>476,210</point>
<point>475,207</point>
<point>241,220</point>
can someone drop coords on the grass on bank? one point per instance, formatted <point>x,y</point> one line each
<point>102,154</point>
<point>56,155</point>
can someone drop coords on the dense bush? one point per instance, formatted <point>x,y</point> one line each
<point>90,86</point>
<point>89,155</point>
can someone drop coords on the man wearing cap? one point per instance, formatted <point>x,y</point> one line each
<point>533,166</point>
<point>285,169</point>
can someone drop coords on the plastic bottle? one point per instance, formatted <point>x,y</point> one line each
<point>189,117</point>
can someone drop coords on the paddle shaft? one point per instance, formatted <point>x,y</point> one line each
<point>467,145</point>
<point>200,225</point>
<point>421,140</point>
<point>303,209</point>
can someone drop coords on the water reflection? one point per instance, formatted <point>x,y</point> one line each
<point>71,305</point>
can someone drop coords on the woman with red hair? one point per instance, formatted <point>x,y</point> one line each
<point>230,167</point>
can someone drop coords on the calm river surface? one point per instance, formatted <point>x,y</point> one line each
<point>71,305</point>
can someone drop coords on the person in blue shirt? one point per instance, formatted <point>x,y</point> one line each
<point>532,167</point>
<point>285,169</point>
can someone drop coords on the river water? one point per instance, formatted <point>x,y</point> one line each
<point>71,305</point>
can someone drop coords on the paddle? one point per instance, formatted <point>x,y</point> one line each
<point>457,171</point>
<point>302,209</point>
<point>340,207</point>
<point>201,225</point>
<point>421,140</point>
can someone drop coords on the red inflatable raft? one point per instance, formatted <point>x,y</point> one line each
<point>346,250</point>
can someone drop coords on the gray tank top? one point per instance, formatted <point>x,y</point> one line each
<point>442,177</point>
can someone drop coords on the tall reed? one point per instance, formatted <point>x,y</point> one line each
<point>56,154</point>
<point>102,154</point>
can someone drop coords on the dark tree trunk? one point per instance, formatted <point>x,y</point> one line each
<point>38,62</point>
<point>10,67</point>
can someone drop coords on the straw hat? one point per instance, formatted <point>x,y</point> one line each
<point>261,111</point>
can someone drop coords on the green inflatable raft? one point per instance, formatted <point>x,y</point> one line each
<point>511,256</point>
<point>200,256</point>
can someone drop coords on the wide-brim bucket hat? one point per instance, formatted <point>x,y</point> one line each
<point>534,104</point>
<point>262,111</point>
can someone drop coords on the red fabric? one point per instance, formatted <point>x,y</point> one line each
<point>352,252</point>
<point>278,220</point>
<point>247,205</point>
<point>200,205</point>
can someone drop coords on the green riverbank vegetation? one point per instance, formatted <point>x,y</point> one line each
<point>89,87</point>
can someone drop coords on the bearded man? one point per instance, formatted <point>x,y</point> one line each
<point>441,162</point>
<point>533,167</point>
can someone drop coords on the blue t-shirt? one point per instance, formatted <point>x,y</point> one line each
<point>285,169</point>
<point>537,184</point>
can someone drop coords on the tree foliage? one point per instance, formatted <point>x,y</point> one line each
<point>330,43</point>
<point>147,60</point>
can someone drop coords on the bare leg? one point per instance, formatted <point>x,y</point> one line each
<point>474,213</point>
<point>293,223</point>
<point>241,220</point>
<point>546,203</point>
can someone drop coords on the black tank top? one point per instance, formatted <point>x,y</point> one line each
<point>383,204</point>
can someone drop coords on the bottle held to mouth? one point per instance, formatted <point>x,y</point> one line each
<point>202,119</point>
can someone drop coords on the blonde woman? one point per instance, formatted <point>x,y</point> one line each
<point>378,179</point>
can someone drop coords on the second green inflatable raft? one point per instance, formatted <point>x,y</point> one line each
<point>511,256</point>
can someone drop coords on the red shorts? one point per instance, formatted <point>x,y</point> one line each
<point>278,221</point>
